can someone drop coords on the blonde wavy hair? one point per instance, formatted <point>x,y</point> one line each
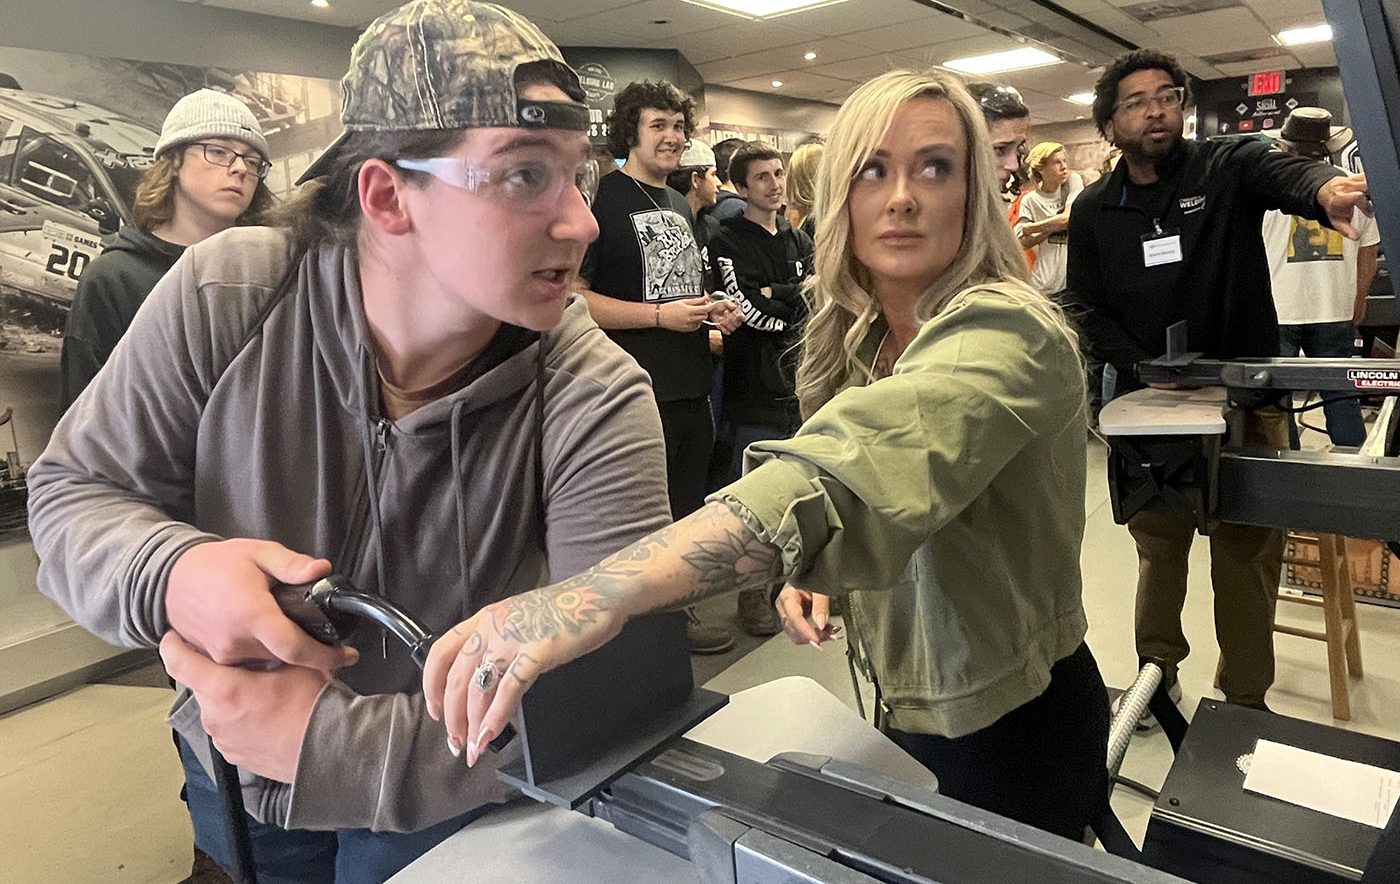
<point>1040,155</point>
<point>154,204</point>
<point>840,292</point>
<point>802,181</point>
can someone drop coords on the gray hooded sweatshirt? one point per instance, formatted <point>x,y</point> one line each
<point>244,402</point>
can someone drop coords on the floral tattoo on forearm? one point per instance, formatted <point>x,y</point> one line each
<point>714,553</point>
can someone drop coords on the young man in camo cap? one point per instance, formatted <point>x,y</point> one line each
<point>401,382</point>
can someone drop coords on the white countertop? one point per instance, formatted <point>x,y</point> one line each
<point>1151,412</point>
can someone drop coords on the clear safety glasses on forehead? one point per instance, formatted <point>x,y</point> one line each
<point>530,185</point>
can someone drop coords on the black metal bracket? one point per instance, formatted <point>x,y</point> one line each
<point>1176,474</point>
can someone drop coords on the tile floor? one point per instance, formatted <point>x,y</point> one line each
<point>88,780</point>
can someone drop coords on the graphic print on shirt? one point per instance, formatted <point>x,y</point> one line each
<point>1309,241</point>
<point>753,317</point>
<point>671,266</point>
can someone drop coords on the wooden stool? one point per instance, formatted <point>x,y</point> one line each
<point>1338,605</point>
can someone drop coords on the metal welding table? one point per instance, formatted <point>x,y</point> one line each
<point>530,841</point>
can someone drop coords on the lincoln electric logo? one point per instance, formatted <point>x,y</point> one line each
<point>1374,379</point>
<point>1192,204</point>
<point>597,83</point>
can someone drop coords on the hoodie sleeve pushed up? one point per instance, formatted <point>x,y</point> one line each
<point>112,494</point>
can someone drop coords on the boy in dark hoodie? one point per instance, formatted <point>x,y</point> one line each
<point>211,159</point>
<point>759,261</point>
<point>728,203</point>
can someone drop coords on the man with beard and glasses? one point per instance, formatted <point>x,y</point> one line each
<point>1174,234</point>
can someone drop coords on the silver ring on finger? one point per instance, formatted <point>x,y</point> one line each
<point>486,676</point>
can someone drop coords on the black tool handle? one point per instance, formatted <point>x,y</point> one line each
<point>328,608</point>
<point>307,605</point>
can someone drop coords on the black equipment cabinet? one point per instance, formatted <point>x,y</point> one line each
<point>1205,827</point>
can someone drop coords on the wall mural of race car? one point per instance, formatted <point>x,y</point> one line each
<point>75,135</point>
<point>68,174</point>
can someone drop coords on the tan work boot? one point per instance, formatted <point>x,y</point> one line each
<point>756,615</point>
<point>706,638</point>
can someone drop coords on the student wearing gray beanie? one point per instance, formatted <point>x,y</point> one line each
<point>211,159</point>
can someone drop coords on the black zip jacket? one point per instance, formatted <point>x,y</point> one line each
<point>112,288</point>
<point>1214,194</point>
<point>759,362</point>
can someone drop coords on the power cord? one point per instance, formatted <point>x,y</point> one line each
<point>1141,788</point>
<point>1288,409</point>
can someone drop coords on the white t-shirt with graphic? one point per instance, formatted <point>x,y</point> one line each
<point>1313,268</point>
<point>1052,255</point>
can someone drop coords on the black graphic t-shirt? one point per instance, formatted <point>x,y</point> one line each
<point>646,252</point>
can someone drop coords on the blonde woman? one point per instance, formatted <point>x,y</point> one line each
<point>211,159</point>
<point>802,187</point>
<point>937,483</point>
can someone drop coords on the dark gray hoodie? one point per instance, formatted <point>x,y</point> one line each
<point>111,290</point>
<point>230,410</point>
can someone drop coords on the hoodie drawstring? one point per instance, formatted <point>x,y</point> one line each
<point>539,449</point>
<point>459,488</point>
<point>372,479</point>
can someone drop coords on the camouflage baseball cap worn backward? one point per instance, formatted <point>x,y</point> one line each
<point>449,64</point>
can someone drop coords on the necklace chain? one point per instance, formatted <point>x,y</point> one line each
<point>646,193</point>
<point>880,370</point>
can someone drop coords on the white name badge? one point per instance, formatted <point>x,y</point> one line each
<point>1161,249</point>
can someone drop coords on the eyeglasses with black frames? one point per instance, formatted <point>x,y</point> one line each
<point>219,155</point>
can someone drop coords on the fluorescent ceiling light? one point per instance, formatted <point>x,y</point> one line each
<point>777,84</point>
<point>1081,98</point>
<point>1299,36</point>
<point>321,4</point>
<point>810,56</point>
<point>762,8</point>
<point>996,62</point>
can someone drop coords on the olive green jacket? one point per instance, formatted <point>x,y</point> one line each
<point>947,501</point>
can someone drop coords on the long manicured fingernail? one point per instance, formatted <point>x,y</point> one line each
<point>815,644</point>
<point>433,712</point>
<point>471,755</point>
<point>454,747</point>
<point>484,741</point>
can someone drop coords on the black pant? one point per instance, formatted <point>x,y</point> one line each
<point>689,429</point>
<point>1043,763</point>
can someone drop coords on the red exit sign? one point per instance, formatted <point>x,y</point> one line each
<point>1266,83</point>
